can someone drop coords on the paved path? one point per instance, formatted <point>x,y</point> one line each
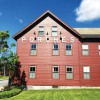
<point>3,83</point>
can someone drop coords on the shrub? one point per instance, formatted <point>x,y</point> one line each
<point>9,93</point>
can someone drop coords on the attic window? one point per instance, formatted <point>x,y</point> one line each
<point>41,31</point>
<point>54,30</point>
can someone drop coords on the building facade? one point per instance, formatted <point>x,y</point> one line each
<point>53,54</point>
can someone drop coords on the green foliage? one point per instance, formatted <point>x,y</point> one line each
<point>4,35</point>
<point>67,94</point>
<point>8,59</point>
<point>9,93</point>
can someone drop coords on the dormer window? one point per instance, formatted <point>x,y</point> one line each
<point>41,31</point>
<point>54,30</point>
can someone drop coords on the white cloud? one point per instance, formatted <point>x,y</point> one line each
<point>0,13</point>
<point>19,20</point>
<point>88,10</point>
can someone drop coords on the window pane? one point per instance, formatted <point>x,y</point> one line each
<point>32,69</point>
<point>41,28</point>
<point>68,46</point>
<point>69,72</point>
<point>55,75</point>
<point>86,75</point>
<point>55,72</point>
<point>55,46</point>
<point>99,46</point>
<point>69,75</point>
<point>55,69</point>
<point>54,33</point>
<point>54,28</point>
<point>33,47</point>
<point>33,52</point>
<point>84,46</point>
<point>41,33</point>
<point>86,69</point>
<point>68,52</point>
<point>85,52</point>
<point>32,72</point>
<point>55,52</point>
<point>32,75</point>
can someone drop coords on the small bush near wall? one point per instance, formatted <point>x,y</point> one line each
<point>9,93</point>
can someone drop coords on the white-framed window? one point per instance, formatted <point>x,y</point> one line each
<point>99,48</point>
<point>55,49</point>
<point>86,72</point>
<point>85,49</point>
<point>33,49</point>
<point>55,72</point>
<point>54,30</point>
<point>32,72</point>
<point>41,31</point>
<point>69,72</point>
<point>68,49</point>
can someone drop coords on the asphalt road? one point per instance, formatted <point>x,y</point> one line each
<point>3,83</point>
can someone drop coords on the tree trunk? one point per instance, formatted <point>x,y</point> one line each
<point>4,71</point>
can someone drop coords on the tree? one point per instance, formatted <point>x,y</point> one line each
<point>4,35</point>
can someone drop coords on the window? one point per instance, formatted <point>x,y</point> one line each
<point>54,30</point>
<point>68,49</point>
<point>41,31</point>
<point>33,49</point>
<point>86,71</point>
<point>55,72</point>
<point>85,49</point>
<point>55,49</point>
<point>32,71</point>
<point>69,72</point>
<point>99,48</point>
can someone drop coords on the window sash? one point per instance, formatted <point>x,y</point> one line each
<point>54,33</point>
<point>40,33</point>
<point>55,67</point>
<point>86,69</point>
<point>69,72</point>
<point>68,47</point>
<point>86,75</point>
<point>69,75</point>
<point>99,46</point>
<point>55,75</point>
<point>41,28</point>
<point>68,52</point>
<point>54,28</point>
<point>32,72</point>
<point>32,75</point>
<point>55,52</point>
<point>85,46</point>
<point>33,47</point>
<point>55,46</point>
<point>85,52</point>
<point>55,72</point>
<point>33,52</point>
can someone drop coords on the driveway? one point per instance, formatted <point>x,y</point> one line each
<point>3,83</point>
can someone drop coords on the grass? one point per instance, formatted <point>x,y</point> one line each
<point>67,94</point>
<point>4,77</point>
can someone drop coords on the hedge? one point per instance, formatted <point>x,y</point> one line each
<point>9,93</point>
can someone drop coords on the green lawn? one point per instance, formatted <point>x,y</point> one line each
<point>4,77</point>
<point>68,94</point>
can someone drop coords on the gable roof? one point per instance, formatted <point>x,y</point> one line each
<point>42,17</point>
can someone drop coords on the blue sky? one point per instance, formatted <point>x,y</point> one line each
<point>16,14</point>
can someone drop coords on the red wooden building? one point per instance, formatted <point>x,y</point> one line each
<point>53,54</point>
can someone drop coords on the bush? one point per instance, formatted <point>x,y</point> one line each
<point>9,93</point>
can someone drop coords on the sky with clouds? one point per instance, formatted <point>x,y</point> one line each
<point>17,14</point>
